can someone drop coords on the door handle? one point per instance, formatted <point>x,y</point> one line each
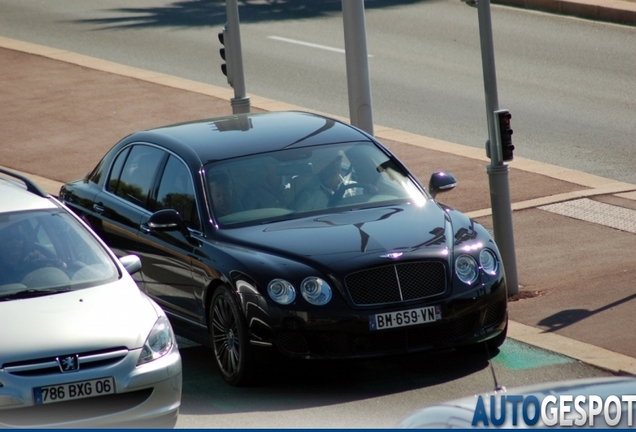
<point>99,208</point>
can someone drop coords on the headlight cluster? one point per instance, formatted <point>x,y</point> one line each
<point>467,268</point>
<point>281,291</point>
<point>313,289</point>
<point>158,343</point>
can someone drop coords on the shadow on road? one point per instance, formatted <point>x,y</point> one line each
<point>568,317</point>
<point>208,13</point>
<point>289,385</point>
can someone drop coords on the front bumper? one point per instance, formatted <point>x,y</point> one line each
<point>472,317</point>
<point>147,396</point>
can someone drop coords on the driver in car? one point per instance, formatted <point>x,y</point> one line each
<point>321,190</point>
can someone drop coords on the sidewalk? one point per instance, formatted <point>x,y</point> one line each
<point>575,233</point>
<point>616,11</point>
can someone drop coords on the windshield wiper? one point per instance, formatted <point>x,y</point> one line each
<point>30,293</point>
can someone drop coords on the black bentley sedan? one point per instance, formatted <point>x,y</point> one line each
<point>296,234</point>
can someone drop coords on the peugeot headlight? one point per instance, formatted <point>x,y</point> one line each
<point>316,291</point>
<point>158,343</point>
<point>466,269</point>
<point>281,291</point>
<point>488,261</point>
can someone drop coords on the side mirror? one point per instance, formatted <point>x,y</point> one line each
<point>131,263</point>
<point>168,220</point>
<point>441,181</point>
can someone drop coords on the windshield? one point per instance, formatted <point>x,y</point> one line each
<point>295,182</point>
<point>49,251</point>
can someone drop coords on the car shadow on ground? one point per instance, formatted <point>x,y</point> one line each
<point>288,385</point>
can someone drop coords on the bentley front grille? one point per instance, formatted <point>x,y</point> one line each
<point>495,313</point>
<point>397,283</point>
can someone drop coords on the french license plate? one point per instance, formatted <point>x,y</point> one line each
<point>76,390</point>
<point>404,318</point>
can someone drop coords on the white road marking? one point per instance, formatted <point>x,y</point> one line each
<point>308,44</point>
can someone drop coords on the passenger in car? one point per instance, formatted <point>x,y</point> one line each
<point>268,191</point>
<point>16,259</point>
<point>11,245</point>
<point>222,194</point>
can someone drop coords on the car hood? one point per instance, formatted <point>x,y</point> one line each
<point>109,316</point>
<point>352,235</point>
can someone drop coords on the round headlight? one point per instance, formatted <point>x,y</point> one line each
<point>488,261</point>
<point>466,269</point>
<point>316,291</point>
<point>281,291</point>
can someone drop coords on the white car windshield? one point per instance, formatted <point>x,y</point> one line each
<point>49,251</point>
<point>295,182</point>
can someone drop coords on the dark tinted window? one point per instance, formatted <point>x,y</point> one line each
<point>113,181</point>
<point>139,173</point>
<point>176,192</point>
<point>298,181</point>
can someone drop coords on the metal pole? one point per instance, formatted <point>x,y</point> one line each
<point>358,82</point>
<point>240,103</point>
<point>497,170</point>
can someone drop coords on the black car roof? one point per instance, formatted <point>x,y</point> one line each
<point>242,134</point>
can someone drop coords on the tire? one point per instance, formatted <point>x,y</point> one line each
<point>230,339</point>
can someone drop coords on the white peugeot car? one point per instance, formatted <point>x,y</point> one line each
<point>80,345</point>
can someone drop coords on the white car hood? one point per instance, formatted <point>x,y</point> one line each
<point>116,315</point>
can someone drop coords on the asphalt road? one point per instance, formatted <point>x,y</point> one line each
<point>569,83</point>
<point>362,394</point>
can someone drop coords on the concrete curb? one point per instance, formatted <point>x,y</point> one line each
<point>604,359</point>
<point>613,11</point>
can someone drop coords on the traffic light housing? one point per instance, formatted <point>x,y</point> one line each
<point>226,54</point>
<point>505,134</point>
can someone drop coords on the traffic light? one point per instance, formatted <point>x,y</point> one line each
<point>226,54</point>
<point>505,134</point>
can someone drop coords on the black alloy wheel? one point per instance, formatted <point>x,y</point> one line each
<point>230,339</point>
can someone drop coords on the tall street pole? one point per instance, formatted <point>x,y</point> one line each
<point>240,103</point>
<point>497,170</point>
<point>358,81</point>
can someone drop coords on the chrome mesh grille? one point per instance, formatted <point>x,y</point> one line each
<point>396,283</point>
<point>495,313</point>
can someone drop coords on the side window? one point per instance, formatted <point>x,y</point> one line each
<point>139,173</point>
<point>176,192</point>
<point>113,180</point>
